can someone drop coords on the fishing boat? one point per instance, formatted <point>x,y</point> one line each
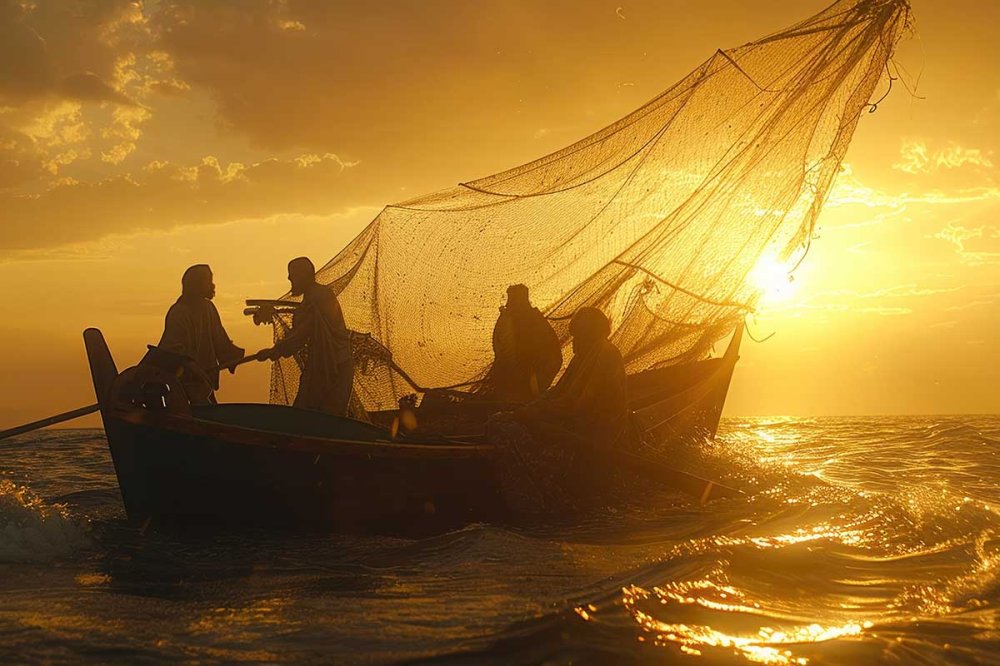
<point>664,220</point>
<point>238,466</point>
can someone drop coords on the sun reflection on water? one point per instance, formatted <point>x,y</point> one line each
<point>846,532</point>
<point>768,645</point>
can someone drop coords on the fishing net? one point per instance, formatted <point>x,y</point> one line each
<point>660,220</point>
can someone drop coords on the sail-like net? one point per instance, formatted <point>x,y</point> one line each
<point>659,219</point>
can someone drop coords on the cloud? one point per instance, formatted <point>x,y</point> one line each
<point>73,77</point>
<point>915,157</point>
<point>26,67</point>
<point>20,160</point>
<point>848,189</point>
<point>88,87</point>
<point>63,50</point>
<point>987,243</point>
<point>968,305</point>
<point>897,300</point>
<point>124,131</point>
<point>342,77</point>
<point>165,195</point>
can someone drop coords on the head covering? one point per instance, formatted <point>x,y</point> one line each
<point>590,322</point>
<point>194,279</point>
<point>517,294</point>
<point>303,265</point>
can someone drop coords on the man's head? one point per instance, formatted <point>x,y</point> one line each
<point>517,296</point>
<point>197,282</point>
<point>589,327</point>
<point>301,274</point>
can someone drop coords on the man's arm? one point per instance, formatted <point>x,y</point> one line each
<point>177,331</point>
<point>225,350</point>
<point>302,329</point>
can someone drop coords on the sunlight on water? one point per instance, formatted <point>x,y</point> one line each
<point>858,541</point>
<point>847,535</point>
<point>766,645</point>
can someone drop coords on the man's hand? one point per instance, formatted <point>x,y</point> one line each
<point>232,368</point>
<point>263,315</point>
<point>268,354</point>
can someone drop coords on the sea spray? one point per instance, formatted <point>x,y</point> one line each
<point>32,530</point>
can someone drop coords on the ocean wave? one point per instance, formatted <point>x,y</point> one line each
<point>32,530</point>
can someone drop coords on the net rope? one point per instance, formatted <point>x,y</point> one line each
<point>658,219</point>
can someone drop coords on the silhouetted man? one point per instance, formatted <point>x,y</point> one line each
<point>591,398</point>
<point>320,337</point>
<point>193,328</point>
<point>558,450</point>
<point>527,353</point>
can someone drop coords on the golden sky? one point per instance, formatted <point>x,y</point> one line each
<point>137,139</point>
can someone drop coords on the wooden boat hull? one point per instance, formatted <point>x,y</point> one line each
<point>198,475</point>
<point>236,466</point>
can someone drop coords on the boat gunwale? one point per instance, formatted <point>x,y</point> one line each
<point>241,435</point>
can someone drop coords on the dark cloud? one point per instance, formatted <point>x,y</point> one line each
<point>165,195</point>
<point>88,87</point>
<point>26,68</point>
<point>65,49</point>
<point>403,82</point>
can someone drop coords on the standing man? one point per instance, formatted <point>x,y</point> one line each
<point>193,329</point>
<point>321,343</point>
<point>526,351</point>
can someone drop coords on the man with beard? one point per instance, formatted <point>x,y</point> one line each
<point>320,339</point>
<point>193,329</point>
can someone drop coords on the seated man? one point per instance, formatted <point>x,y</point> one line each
<point>320,341</point>
<point>550,444</point>
<point>591,398</point>
<point>527,353</point>
<point>193,329</point>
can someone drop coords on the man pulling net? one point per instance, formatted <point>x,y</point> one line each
<point>585,414</point>
<point>320,342</point>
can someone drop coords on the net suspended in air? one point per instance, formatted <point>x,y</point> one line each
<point>659,219</point>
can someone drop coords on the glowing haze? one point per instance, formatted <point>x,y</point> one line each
<point>137,139</point>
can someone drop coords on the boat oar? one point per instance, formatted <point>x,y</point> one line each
<point>90,409</point>
<point>51,420</point>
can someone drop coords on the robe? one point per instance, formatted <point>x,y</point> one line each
<point>193,328</point>
<point>558,451</point>
<point>321,344</point>
<point>527,354</point>
<point>591,398</point>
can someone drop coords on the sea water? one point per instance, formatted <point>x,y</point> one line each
<point>859,540</point>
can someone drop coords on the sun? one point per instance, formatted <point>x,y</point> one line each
<point>773,279</point>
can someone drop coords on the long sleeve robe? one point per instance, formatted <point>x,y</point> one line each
<point>193,328</point>
<point>526,354</point>
<point>321,342</point>
<point>559,450</point>
<point>591,398</point>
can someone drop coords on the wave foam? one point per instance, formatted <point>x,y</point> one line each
<point>32,530</point>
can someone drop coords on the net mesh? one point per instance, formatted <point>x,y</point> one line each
<point>659,219</point>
